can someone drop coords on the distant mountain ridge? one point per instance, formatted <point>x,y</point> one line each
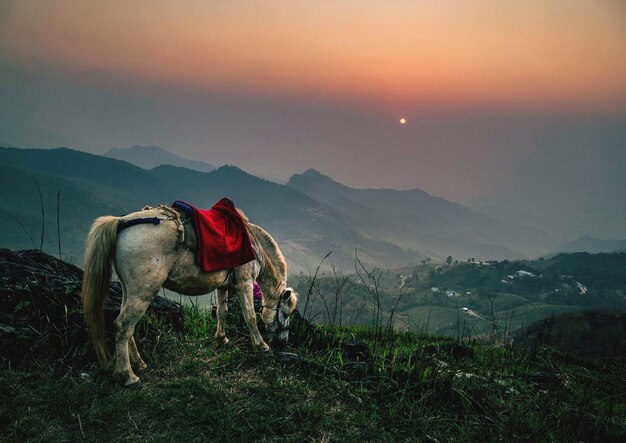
<point>149,157</point>
<point>420,221</point>
<point>92,185</point>
<point>309,216</point>
<point>593,245</point>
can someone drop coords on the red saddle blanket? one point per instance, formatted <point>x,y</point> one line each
<point>223,240</point>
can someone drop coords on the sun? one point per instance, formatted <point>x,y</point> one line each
<point>402,121</point>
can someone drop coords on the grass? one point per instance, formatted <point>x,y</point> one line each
<point>195,391</point>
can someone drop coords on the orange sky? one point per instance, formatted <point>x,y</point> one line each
<point>394,55</point>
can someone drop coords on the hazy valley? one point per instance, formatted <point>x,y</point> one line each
<point>310,216</point>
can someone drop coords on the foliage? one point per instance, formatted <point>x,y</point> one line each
<point>467,300</point>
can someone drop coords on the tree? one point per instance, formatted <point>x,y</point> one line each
<point>449,259</point>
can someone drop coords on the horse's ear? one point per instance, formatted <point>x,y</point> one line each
<point>291,298</point>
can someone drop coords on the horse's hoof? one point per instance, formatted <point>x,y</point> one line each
<point>133,385</point>
<point>125,378</point>
<point>263,347</point>
<point>221,341</point>
<point>139,367</point>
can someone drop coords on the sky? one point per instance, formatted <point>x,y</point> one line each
<point>503,100</point>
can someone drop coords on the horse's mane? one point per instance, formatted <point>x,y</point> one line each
<point>243,216</point>
<point>273,260</point>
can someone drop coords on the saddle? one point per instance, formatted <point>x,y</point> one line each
<point>189,238</point>
<point>218,235</point>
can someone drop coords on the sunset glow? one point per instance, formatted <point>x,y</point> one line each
<point>521,54</point>
<point>449,96</point>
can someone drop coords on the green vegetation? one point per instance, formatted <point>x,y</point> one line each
<point>408,389</point>
<point>468,299</point>
<point>492,372</point>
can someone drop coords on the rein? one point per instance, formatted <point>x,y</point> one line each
<point>278,326</point>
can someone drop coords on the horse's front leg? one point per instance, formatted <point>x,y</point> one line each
<point>222,310</point>
<point>244,292</point>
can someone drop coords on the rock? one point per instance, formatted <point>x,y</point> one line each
<point>84,376</point>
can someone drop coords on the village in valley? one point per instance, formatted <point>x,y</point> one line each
<point>435,297</point>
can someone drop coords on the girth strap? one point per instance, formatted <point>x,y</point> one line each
<point>137,221</point>
<point>230,281</point>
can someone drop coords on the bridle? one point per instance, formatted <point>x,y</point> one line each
<point>276,321</point>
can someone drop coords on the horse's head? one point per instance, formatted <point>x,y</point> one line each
<point>276,318</point>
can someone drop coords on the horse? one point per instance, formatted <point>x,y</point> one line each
<point>147,256</point>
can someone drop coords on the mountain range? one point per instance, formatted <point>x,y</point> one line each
<point>309,216</point>
<point>419,221</point>
<point>148,157</point>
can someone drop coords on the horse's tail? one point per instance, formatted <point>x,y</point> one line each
<point>99,254</point>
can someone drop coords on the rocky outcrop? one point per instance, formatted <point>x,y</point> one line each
<point>40,311</point>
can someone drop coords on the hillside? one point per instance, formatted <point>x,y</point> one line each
<point>597,335</point>
<point>332,384</point>
<point>421,221</point>
<point>470,299</point>
<point>148,157</point>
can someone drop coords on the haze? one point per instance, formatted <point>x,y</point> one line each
<point>518,108</point>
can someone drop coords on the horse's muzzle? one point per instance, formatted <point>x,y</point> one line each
<point>279,341</point>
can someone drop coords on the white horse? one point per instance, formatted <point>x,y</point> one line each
<point>152,254</point>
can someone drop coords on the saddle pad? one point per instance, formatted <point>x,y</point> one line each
<point>223,240</point>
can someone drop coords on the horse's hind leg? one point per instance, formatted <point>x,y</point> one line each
<point>125,323</point>
<point>222,310</point>
<point>136,361</point>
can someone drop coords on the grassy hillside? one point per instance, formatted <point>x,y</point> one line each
<point>335,383</point>
<point>411,388</point>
